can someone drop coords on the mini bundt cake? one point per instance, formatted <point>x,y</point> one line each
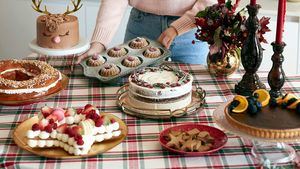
<point>138,43</point>
<point>152,52</point>
<point>117,52</point>
<point>131,61</point>
<point>96,60</point>
<point>109,70</point>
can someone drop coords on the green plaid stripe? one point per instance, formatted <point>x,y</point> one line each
<point>141,148</point>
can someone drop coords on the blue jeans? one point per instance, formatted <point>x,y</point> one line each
<point>151,26</point>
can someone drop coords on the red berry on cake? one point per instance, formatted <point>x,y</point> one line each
<point>51,121</point>
<point>80,142</point>
<point>53,117</point>
<point>48,128</point>
<point>88,108</point>
<point>62,128</point>
<point>54,126</point>
<point>99,122</point>
<point>35,127</point>
<point>112,120</point>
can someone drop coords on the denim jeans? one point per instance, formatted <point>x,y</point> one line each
<point>151,26</point>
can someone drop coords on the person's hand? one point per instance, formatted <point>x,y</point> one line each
<point>95,48</point>
<point>167,37</point>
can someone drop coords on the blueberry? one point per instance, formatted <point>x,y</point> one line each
<point>256,95</point>
<point>258,105</point>
<point>235,103</point>
<point>284,105</point>
<point>252,109</point>
<point>230,108</point>
<point>273,102</point>
<point>250,100</point>
<point>291,101</point>
<point>298,108</point>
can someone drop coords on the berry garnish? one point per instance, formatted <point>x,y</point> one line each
<point>284,105</point>
<point>51,121</point>
<point>259,106</point>
<point>291,101</point>
<point>54,126</point>
<point>112,120</point>
<point>99,122</point>
<point>273,102</point>
<point>78,137</point>
<point>80,142</point>
<point>72,133</point>
<point>235,103</point>
<point>256,95</point>
<point>252,109</point>
<point>35,127</point>
<point>48,128</point>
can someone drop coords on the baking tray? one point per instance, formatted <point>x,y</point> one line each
<point>93,72</point>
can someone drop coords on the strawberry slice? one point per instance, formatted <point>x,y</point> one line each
<point>46,111</point>
<point>88,108</point>
<point>77,129</point>
<point>52,116</point>
<point>59,113</point>
<point>43,123</point>
<point>62,128</point>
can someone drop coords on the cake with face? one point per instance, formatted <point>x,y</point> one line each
<point>57,31</point>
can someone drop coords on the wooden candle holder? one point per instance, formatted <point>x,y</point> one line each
<point>276,77</point>
<point>251,56</point>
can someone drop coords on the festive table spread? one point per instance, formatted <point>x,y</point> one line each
<point>141,148</point>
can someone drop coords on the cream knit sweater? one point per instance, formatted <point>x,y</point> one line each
<point>111,12</point>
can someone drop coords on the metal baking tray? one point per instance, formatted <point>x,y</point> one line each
<point>94,72</point>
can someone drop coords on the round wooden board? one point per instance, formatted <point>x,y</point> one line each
<point>5,99</point>
<point>19,136</point>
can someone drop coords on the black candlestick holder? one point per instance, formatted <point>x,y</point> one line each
<point>251,56</point>
<point>276,77</point>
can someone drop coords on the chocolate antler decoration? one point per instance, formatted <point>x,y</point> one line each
<point>76,5</point>
<point>36,6</point>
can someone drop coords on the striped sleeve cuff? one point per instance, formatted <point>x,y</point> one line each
<point>183,25</point>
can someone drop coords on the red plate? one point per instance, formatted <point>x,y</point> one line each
<point>219,136</point>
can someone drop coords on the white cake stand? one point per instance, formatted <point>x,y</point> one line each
<point>81,47</point>
<point>268,152</point>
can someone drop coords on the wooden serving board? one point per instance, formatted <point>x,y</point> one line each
<point>19,136</point>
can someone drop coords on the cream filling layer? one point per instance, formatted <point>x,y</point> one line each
<point>37,90</point>
<point>175,105</point>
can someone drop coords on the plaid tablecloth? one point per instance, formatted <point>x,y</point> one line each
<point>141,148</point>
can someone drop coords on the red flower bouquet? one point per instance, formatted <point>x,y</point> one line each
<point>223,28</point>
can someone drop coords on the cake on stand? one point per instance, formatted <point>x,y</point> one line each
<point>268,152</point>
<point>81,47</point>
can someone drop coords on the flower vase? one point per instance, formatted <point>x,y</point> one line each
<point>224,64</point>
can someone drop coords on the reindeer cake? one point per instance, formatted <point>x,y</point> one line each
<point>57,31</point>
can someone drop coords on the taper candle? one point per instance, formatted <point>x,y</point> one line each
<point>280,20</point>
<point>253,2</point>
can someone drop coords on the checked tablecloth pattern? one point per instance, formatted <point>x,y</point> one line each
<point>141,148</point>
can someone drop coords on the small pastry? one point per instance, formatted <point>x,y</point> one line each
<point>109,70</point>
<point>152,52</point>
<point>131,61</point>
<point>117,52</point>
<point>96,60</point>
<point>138,43</point>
